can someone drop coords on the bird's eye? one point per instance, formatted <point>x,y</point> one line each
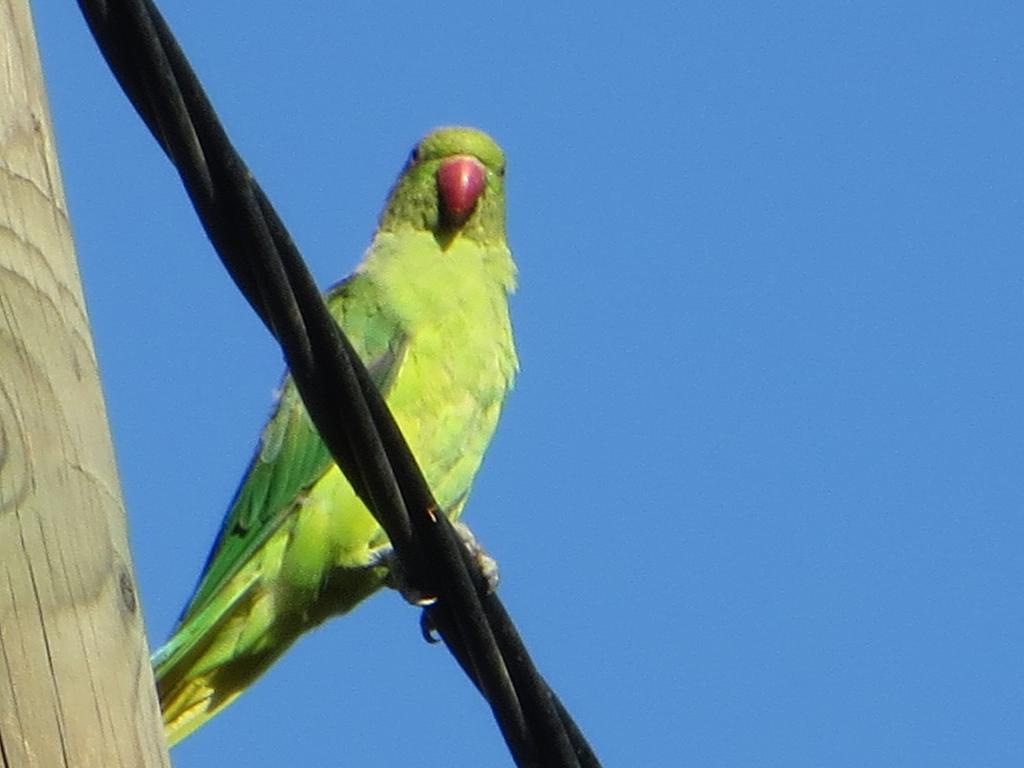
<point>414,155</point>
<point>501,171</point>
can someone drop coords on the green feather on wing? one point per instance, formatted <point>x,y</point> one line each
<point>292,457</point>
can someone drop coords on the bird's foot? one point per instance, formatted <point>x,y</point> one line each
<point>385,557</point>
<point>488,565</point>
<point>396,579</point>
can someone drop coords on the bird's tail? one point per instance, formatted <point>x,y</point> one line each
<point>211,658</point>
<point>218,651</point>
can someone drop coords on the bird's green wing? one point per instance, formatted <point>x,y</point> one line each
<point>291,456</point>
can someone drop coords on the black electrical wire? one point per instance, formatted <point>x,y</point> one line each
<point>348,411</point>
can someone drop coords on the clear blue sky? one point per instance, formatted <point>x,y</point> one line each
<point>758,496</point>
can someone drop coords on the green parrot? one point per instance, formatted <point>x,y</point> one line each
<point>427,311</point>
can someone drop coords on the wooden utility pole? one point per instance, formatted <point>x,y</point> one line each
<point>76,687</point>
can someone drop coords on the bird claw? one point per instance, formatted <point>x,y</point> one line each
<point>488,565</point>
<point>428,628</point>
<point>385,558</point>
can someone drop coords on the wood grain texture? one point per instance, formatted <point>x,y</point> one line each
<point>75,682</point>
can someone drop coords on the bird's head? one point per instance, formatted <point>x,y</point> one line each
<point>452,186</point>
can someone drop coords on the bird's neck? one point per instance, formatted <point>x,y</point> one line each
<point>421,277</point>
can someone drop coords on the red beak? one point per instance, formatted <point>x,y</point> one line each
<point>460,182</point>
